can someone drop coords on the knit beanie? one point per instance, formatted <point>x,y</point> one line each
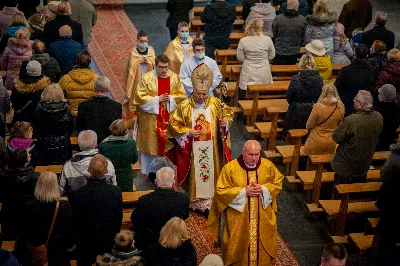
<point>212,260</point>
<point>34,69</point>
<point>388,91</point>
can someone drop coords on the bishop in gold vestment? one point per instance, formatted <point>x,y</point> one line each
<point>158,94</point>
<point>179,50</point>
<point>242,218</point>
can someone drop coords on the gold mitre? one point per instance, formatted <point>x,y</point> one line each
<point>202,77</point>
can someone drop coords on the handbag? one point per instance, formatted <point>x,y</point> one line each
<point>38,255</point>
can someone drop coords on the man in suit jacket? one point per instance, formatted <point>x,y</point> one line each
<point>51,28</point>
<point>99,112</point>
<point>155,209</point>
<point>97,208</point>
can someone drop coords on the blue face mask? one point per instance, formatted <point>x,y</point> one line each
<point>184,35</point>
<point>143,45</point>
<point>370,50</point>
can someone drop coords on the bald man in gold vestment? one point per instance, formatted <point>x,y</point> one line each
<point>242,218</point>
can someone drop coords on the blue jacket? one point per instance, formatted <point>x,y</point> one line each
<point>65,50</point>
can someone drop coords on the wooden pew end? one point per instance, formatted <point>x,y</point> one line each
<point>313,208</point>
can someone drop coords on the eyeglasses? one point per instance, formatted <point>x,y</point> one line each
<point>162,67</point>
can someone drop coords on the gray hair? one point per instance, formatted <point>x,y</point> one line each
<point>65,31</point>
<point>102,84</point>
<point>182,24</point>
<point>380,18</point>
<point>365,98</point>
<point>87,140</point>
<point>165,181</point>
<point>47,188</point>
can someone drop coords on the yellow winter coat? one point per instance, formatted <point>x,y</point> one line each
<point>324,66</point>
<point>78,86</point>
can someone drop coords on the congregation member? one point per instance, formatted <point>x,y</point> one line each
<point>304,90</point>
<point>17,186</point>
<point>17,22</point>
<point>300,5</point>
<point>21,137</point>
<point>378,56</point>
<point>174,246</point>
<point>97,208</point>
<point>192,62</point>
<point>180,48</point>
<point>51,28</point>
<point>390,112</point>
<point>255,50</point>
<point>17,50</point>
<point>36,23</point>
<point>212,260</point>
<point>5,108</point>
<point>158,94</point>
<point>321,58</point>
<point>342,51</point>
<point>357,137</point>
<point>334,254</point>
<point>390,74</point>
<point>325,116</point>
<point>247,5</point>
<point>27,93</point>
<point>141,60</point>
<point>75,173</point>
<point>123,253</point>
<point>49,221</point>
<point>198,126</point>
<point>233,199</point>
<point>321,26</point>
<point>49,11</point>
<point>358,75</point>
<point>379,32</point>
<point>53,126</point>
<point>288,29</point>
<point>50,67</point>
<point>100,111</point>
<point>356,14</point>
<point>218,21</point>
<point>84,12</point>
<point>155,209</point>
<point>28,7</point>
<point>7,258</point>
<point>78,84</point>
<point>264,11</point>
<point>65,50</point>
<point>178,11</point>
<point>387,228</point>
<point>121,151</point>
<point>10,8</point>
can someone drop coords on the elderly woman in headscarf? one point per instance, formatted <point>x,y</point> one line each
<point>342,51</point>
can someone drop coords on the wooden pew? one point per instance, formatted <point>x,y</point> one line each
<point>128,200</point>
<point>197,10</point>
<point>235,37</point>
<point>338,210</point>
<point>221,56</point>
<point>196,25</point>
<point>269,130</point>
<point>8,245</point>
<point>74,140</point>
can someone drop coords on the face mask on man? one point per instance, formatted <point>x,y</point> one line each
<point>143,45</point>
<point>200,56</point>
<point>184,35</point>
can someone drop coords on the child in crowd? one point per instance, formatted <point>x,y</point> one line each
<point>342,51</point>
<point>322,59</point>
<point>21,139</point>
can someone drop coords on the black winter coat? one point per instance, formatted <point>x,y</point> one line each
<point>53,127</point>
<point>378,33</point>
<point>178,11</point>
<point>16,188</point>
<point>97,209</point>
<point>218,19</point>
<point>304,90</point>
<point>97,114</point>
<point>153,211</point>
<point>378,62</point>
<point>51,29</point>
<point>28,7</point>
<point>184,255</point>
<point>359,75</point>
<point>50,67</point>
<point>391,121</point>
<point>38,217</point>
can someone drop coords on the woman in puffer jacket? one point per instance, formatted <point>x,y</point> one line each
<point>53,126</point>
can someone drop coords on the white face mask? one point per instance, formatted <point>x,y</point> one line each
<point>200,56</point>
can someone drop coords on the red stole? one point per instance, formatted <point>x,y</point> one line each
<point>163,115</point>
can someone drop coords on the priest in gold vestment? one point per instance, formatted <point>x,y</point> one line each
<point>158,94</point>
<point>141,61</point>
<point>198,128</point>
<point>179,49</point>
<point>242,218</point>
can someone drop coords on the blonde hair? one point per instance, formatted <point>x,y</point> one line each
<point>23,34</point>
<point>254,27</point>
<point>330,95</point>
<point>174,233</point>
<point>21,130</point>
<point>18,19</point>
<point>47,188</point>
<point>124,238</point>
<point>52,93</point>
<point>118,127</point>
<point>394,55</point>
<point>307,62</point>
<point>321,10</point>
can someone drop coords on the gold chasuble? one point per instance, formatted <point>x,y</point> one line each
<point>150,125</point>
<point>248,237</point>
<point>176,53</point>
<point>133,71</point>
